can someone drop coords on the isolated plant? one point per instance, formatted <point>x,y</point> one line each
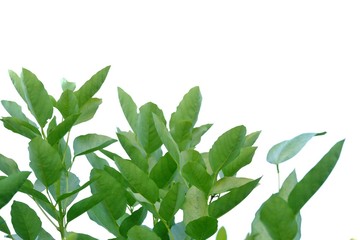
<point>163,176</point>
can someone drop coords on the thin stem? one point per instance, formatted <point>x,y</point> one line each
<point>42,210</point>
<point>165,223</point>
<point>278,173</point>
<point>43,133</point>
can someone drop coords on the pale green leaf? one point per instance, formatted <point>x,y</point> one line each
<point>66,85</point>
<point>88,110</point>
<point>7,165</point>
<point>228,183</point>
<point>197,133</point>
<point>129,108</point>
<point>285,150</point>
<point>21,127</point>
<point>195,205</point>
<point>67,104</point>
<point>142,232</point>
<point>221,235</point>
<point>15,111</point>
<point>68,183</point>
<point>96,161</point>
<point>251,138</point>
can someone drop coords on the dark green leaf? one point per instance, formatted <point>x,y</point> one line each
<point>315,178</point>
<point>226,148</point>
<point>285,150</point>
<point>163,171</point>
<point>202,228</point>
<point>142,232</point>
<point>195,205</point>
<point>60,130</point>
<point>67,104</point>
<point>278,218</point>
<point>44,161</point>
<point>66,85</point>
<point>228,183</point>
<point>172,201</point>
<point>161,230</point>
<point>133,149</point>
<point>231,199</point>
<point>136,218</point>
<point>83,205</point>
<point>101,215</point>
<point>88,110</point>
<point>188,109</point>
<point>10,185</point>
<point>139,180</point>
<point>91,86</point>
<point>15,111</point>
<point>244,158</point>
<point>21,127</point>
<point>146,131</point>
<point>90,143</point>
<point>196,175</point>
<point>221,235</point>
<point>36,97</point>
<point>129,108</point>
<point>8,166</point>
<point>166,138</point>
<point>3,226</point>
<point>25,221</point>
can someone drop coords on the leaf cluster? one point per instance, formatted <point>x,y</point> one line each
<point>162,176</point>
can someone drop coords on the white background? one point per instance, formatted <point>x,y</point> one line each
<point>283,67</point>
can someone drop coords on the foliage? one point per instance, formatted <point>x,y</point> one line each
<point>163,175</point>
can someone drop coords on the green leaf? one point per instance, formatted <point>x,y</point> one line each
<point>15,111</point>
<point>44,235</point>
<point>129,108</point>
<point>244,158</point>
<point>202,228</point>
<point>45,161</point>
<point>278,218</point>
<point>197,133</point>
<point>167,139</point>
<point>96,161</point>
<point>285,150</point>
<point>8,166</point>
<point>163,171</point>
<point>112,188</point>
<point>315,178</point>
<point>136,218</point>
<point>146,131</point>
<point>74,192</point>
<point>68,183</point>
<point>18,83</point>
<point>79,236</point>
<point>66,85</point>
<point>161,230</point>
<point>188,109</point>
<point>91,86</point>
<point>133,149</point>
<point>195,205</point>
<point>288,185</point>
<point>251,138</point>
<point>10,185</point>
<point>226,148</point>
<point>182,135</point>
<point>142,232</point>
<point>3,226</point>
<point>21,127</point>
<point>101,215</point>
<point>25,221</point>
<point>139,181</point>
<point>221,235</point>
<point>172,201</point>
<point>88,143</point>
<point>67,104</point>
<point>228,183</point>
<point>88,110</point>
<point>36,97</point>
<point>178,231</point>
<point>60,130</point>
<point>196,175</point>
<point>83,205</point>
<point>230,200</point>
